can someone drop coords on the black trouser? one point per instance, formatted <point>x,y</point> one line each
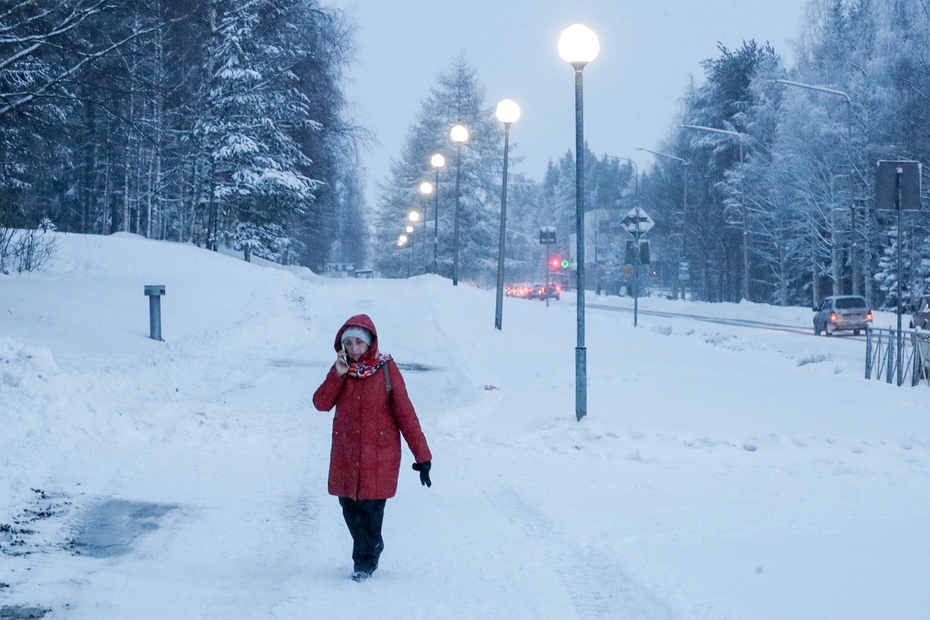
<point>364,517</point>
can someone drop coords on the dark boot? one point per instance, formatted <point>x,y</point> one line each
<point>363,518</point>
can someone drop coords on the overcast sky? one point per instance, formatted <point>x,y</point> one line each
<point>649,53</point>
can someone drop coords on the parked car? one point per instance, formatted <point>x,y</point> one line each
<point>842,313</point>
<point>921,316</point>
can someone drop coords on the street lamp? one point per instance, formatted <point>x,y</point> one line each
<point>507,112</point>
<point>459,135</point>
<point>437,161</point>
<point>684,217</point>
<point>853,241</point>
<point>414,217</point>
<point>578,46</point>
<point>739,136</point>
<point>409,229</point>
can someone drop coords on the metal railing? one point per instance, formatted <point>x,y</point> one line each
<point>886,360</point>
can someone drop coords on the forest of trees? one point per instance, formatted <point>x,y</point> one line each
<point>780,179</point>
<point>225,123</point>
<point>800,146</point>
<point>458,98</point>
<point>213,122</point>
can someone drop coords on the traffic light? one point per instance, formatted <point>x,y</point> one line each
<point>555,263</point>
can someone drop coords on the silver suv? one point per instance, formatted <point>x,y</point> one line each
<point>842,313</point>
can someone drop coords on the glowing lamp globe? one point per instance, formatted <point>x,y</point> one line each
<point>578,45</point>
<point>414,216</point>
<point>507,111</point>
<point>426,188</point>
<point>459,133</point>
<point>438,161</point>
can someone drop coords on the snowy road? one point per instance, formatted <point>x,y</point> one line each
<point>722,472</point>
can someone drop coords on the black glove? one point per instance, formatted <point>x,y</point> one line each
<point>423,468</point>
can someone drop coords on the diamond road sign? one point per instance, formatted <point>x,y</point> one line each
<point>635,217</point>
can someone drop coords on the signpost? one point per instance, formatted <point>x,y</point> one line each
<point>547,237</point>
<point>637,222</point>
<point>897,187</point>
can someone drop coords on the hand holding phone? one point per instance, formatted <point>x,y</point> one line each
<point>342,361</point>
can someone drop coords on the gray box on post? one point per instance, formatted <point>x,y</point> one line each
<point>895,175</point>
<point>154,293</point>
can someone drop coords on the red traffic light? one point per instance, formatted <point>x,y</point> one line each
<point>555,263</point>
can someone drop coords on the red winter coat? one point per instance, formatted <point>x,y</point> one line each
<point>365,459</point>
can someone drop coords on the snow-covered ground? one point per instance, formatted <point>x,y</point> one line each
<point>721,472</point>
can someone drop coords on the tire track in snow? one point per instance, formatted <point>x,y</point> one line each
<point>446,345</point>
<point>596,582</point>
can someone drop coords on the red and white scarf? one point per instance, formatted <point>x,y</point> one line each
<point>363,370</point>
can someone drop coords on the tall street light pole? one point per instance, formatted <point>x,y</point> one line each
<point>414,217</point>
<point>427,188</point>
<point>507,112</point>
<point>578,46</point>
<point>409,229</point>
<point>684,208</point>
<point>853,242</point>
<point>437,161</point>
<point>739,136</point>
<point>459,135</point>
<point>401,242</point>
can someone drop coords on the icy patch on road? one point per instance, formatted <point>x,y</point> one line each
<point>110,528</point>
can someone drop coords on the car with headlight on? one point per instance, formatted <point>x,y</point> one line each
<point>544,291</point>
<point>842,313</point>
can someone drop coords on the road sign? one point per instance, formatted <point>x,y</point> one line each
<point>637,219</point>
<point>892,175</point>
<point>547,234</point>
<point>684,270</point>
<point>637,258</point>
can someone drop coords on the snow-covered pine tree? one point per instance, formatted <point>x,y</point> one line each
<point>257,180</point>
<point>458,98</point>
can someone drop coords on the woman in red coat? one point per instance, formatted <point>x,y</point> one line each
<point>372,411</point>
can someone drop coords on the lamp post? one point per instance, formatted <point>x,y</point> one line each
<point>507,112</point>
<point>413,245</point>
<point>459,135</point>
<point>414,217</point>
<point>739,137</point>
<point>853,242</point>
<point>401,242</point>
<point>684,208</point>
<point>437,161</point>
<point>578,46</point>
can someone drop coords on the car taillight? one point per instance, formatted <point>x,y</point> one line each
<point>868,315</point>
<point>833,317</point>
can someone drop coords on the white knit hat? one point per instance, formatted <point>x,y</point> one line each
<point>357,332</point>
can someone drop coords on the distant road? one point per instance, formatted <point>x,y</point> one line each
<point>794,329</point>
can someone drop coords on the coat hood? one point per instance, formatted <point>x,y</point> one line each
<point>365,322</point>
